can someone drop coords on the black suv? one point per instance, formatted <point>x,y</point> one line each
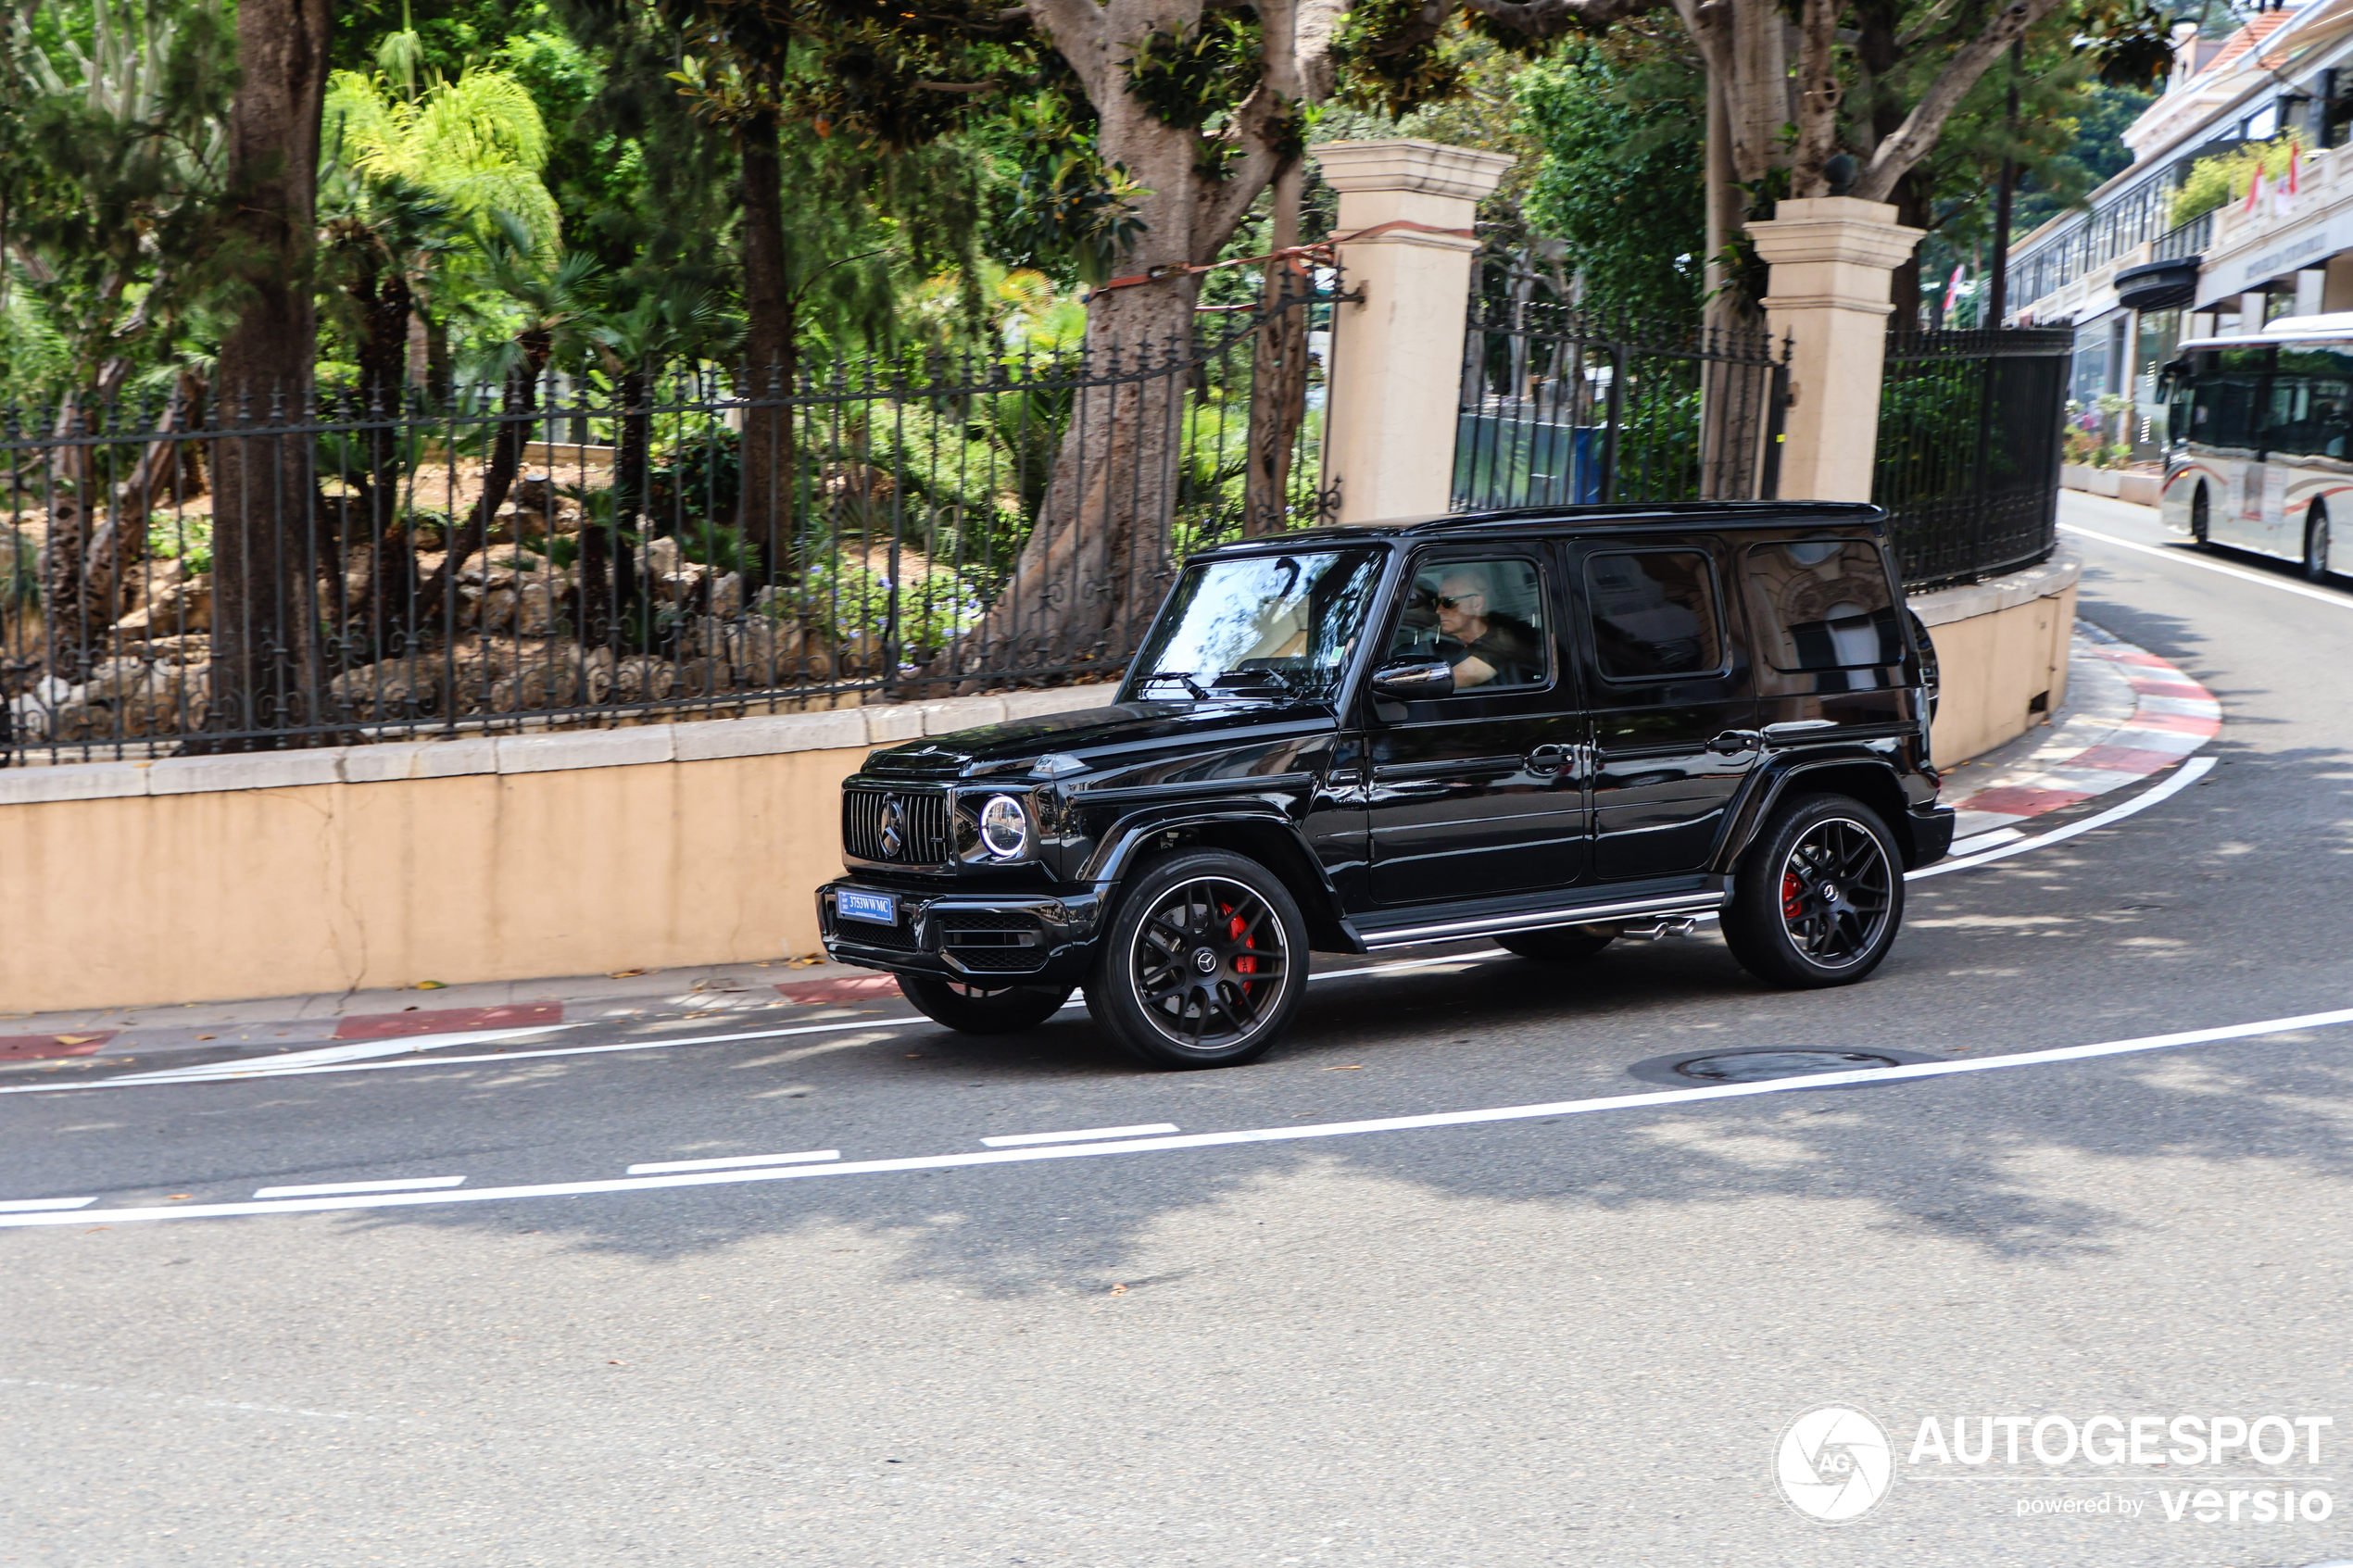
<point>1550,728</point>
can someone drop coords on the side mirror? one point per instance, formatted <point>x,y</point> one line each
<point>1415,680</point>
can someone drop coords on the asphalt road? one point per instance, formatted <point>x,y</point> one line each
<point>1569,1338</point>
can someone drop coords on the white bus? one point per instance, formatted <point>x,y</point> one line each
<point>2258,448</point>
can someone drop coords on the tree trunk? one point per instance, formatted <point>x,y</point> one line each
<point>516,407</point>
<point>266,670</point>
<point>765,451</point>
<point>1279,369</point>
<point>607,570</point>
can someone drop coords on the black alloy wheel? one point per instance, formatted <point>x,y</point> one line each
<point>1819,894</point>
<point>2316,543</point>
<point>981,1010</point>
<point>1559,944</point>
<point>1204,963</point>
<point>2200,525</point>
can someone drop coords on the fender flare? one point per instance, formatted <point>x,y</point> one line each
<point>1125,841</point>
<point>1772,781</point>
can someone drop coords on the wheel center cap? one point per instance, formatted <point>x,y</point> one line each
<point>1829,890</point>
<point>1206,959</point>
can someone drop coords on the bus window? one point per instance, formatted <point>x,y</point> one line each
<point>2311,412</point>
<point>2223,411</point>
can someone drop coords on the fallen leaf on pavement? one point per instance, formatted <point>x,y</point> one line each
<point>431,985</point>
<point>176,1197</point>
<point>625,975</point>
<point>1119,1290</point>
<point>1353,1067</point>
<point>78,1039</point>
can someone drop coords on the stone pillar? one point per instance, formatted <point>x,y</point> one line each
<point>1396,368</point>
<point>1832,258</point>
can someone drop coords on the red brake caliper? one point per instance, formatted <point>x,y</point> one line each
<point>1793,894</point>
<point>1242,966</point>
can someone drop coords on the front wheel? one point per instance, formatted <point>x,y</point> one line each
<point>1818,896</point>
<point>2316,544</point>
<point>976,1009</point>
<point>2201,518</point>
<point>1204,963</point>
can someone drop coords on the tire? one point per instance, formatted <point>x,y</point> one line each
<point>1560,944</point>
<point>2316,543</point>
<point>973,1011</point>
<point>2201,518</point>
<point>1204,963</point>
<point>1820,896</point>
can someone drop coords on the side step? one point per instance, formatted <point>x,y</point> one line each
<point>1673,910</point>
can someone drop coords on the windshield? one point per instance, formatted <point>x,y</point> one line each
<point>1259,626</point>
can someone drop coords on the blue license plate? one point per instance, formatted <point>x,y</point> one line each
<point>880,908</point>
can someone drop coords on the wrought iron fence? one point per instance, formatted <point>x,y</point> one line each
<point>542,553</point>
<point>1563,406</point>
<point>1967,463</point>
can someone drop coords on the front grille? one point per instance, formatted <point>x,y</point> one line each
<point>987,942</point>
<point>923,837</point>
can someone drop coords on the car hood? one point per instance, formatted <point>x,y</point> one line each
<point>1091,740</point>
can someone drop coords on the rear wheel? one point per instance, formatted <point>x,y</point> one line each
<point>978,1010</point>
<point>2316,543</point>
<point>1820,896</point>
<point>1203,964</point>
<point>1559,944</point>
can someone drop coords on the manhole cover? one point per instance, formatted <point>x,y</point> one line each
<point>1749,1067</point>
<point>1690,1069</point>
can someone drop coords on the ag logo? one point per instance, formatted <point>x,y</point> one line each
<point>894,835</point>
<point>1834,1464</point>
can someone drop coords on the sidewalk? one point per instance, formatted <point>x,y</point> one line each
<point>2128,714</point>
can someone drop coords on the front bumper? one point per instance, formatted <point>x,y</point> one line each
<point>1028,938</point>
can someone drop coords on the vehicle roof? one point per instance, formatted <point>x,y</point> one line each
<point>1643,514</point>
<point>2335,327</point>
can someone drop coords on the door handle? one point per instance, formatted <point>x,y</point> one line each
<point>1731,743</point>
<point>1548,759</point>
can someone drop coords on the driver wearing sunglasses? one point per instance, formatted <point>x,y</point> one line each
<point>1495,648</point>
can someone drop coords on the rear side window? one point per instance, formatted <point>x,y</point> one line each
<point>1655,615</point>
<point>1824,604</point>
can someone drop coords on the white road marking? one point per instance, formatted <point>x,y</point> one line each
<point>334,1056</point>
<point>2191,771</point>
<point>2189,774</point>
<point>33,1205</point>
<point>2181,558</point>
<point>324,1189</point>
<point>662,1167</point>
<point>1023,1140</point>
<point>1994,840</point>
<point>1651,1101</point>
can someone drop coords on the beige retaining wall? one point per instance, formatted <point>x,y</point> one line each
<point>210,879</point>
<point>2002,649</point>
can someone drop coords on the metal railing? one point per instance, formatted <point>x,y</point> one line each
<point>2185,239</point>
<point>1967,463</point>
<point>537,554</point>
<point>1562,406</point>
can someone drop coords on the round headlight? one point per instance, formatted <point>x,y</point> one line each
<point>1004,827</point>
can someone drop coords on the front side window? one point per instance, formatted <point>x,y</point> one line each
<point>1655,615</point>
<point>1485,618</point>
<point>1260,626</point>
<point>1824,604</point>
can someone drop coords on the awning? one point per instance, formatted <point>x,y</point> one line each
<point>2158,285</point>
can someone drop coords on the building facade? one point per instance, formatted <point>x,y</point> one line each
<point>2133,282</point>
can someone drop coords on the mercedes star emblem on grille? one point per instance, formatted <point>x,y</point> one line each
<point>894,836</point>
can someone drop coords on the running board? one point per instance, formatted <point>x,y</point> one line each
<point>1537,919</point>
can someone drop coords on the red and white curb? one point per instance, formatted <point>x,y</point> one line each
<point>2135,715</point>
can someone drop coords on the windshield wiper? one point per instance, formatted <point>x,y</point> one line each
<point>1182,677</point>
